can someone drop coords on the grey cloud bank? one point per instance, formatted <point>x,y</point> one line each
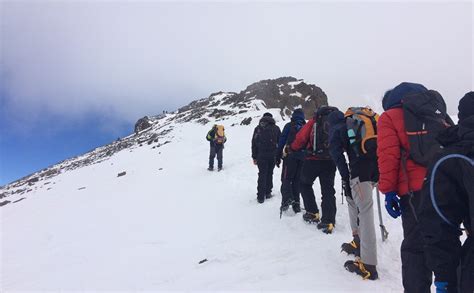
<point>126,59</point>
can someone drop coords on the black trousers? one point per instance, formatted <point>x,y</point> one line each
<point>326,171</point>
<point>415,273</point>
<point>265,177</point>
<point>216,149</point>
<point>290,180</point>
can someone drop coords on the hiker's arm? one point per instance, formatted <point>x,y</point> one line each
<point>389,154</point>
<point>254,144</point>
<point>336,150</point>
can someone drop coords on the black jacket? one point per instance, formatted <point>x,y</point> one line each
<point>454,196</point>
<point>364,168</point>
<point>265,140</point>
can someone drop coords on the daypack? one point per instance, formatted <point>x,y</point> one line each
<point>267,139</point>
<point>294,128</point>
<point>319,138</point>
<point>425,116</point>
<point>219,136</point>
<point>361,123</point>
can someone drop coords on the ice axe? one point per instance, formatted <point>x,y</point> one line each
<point>383,230</point>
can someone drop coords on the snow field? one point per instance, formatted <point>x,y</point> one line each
<point>149,229</point>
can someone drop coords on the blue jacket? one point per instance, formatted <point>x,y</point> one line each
<point>298,118</point>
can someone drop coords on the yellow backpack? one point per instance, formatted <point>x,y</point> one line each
<point>361,125</point>
<point>219,137</point>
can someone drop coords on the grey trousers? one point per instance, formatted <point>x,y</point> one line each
<point>361,216</point>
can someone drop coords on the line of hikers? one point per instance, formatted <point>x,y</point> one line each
<point>413,153</point>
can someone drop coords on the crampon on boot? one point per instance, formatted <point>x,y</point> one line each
<point>352,247</point>
<point>367,272</point>
<point>326,227</point>
<point>311,218</point>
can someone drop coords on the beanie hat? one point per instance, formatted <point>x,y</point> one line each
<point>268,115</point>
<point>466,106</point>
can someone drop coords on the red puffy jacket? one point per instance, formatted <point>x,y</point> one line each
<point>392,140</point>
<point>303,140</point>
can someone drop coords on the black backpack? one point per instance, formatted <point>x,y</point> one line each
<point>319,138</point>
<point>425,116</point>
<point>267,138</point>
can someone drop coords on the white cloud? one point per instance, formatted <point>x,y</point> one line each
<point>129,59</point>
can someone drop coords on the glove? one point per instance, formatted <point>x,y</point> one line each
<point>441,287</point>
<point>346,186</point>
<point>278,162</point>
<point>392,204</point>
<point>286,151</point>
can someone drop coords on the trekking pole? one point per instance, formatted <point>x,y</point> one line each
<point>383,230</point>
<point>342,192</point>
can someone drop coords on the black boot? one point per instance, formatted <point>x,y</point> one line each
<point>268,195</point>
<point>326,227</point>
<point>311,218</point>
<point>367,272</point>
<point>296,207</point>
<point>210,169</point>
<point>352,247</point>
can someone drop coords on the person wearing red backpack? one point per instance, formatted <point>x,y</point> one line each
<point>401,180</point>
<point>314,138</point>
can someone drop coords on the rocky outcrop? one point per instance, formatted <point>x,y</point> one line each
<point>142,124</point>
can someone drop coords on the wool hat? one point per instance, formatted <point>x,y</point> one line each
<point>268,115</point>
<point>466,106</point>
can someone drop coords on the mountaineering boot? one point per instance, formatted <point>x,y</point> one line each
<point>268,195</point>
<point>352,247</point>
<point>210,169</point>
<point>311,218</point>
<point>260,199</point>
<point>296,207</point>
<point>325,227</point>
<point>219,169</point>
<point>367,272</point>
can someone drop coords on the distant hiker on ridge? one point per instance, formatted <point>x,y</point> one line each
<point>216,138</point>
<point>264,152</point>
<point>292,163</point>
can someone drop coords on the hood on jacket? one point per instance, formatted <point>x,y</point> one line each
<point>266,120</point>
<point>335,118</point>
<point>466,106</point>
<point>463,132</point>
<point>298,115</point>
<point>395,96</point>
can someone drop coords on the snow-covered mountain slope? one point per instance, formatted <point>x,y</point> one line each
<point>85,228</point>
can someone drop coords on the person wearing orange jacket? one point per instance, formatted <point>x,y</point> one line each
<point>401,180</point>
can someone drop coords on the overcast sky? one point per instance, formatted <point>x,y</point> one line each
<point>62,62</point>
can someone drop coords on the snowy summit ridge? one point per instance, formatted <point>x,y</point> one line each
<point>282,95</point>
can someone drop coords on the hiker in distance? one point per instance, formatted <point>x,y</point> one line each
<point>451,177</point>
<point>401,177</point>
<point>355,133</point>
<point>292,163</point>
<point>216,138</point>
<point>314,139</point>
<point>264,153</point>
